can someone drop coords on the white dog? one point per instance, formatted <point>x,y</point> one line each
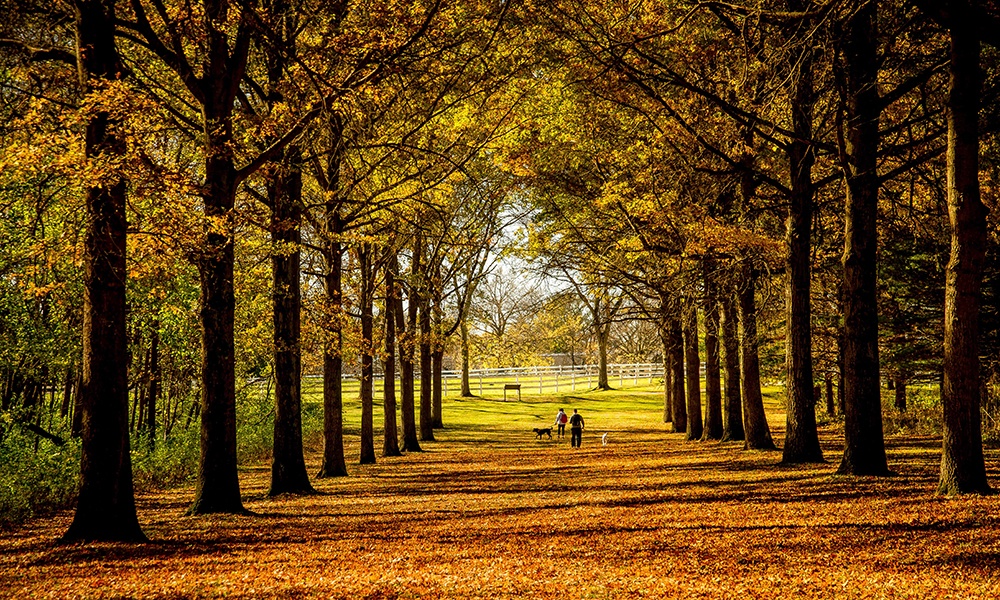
<point>604,440</point>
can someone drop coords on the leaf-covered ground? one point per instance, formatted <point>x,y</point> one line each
<point>487,511</point>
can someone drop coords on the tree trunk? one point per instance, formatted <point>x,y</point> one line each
<point>288,466</point>
<point>390,435</point>
<point>426,376</point>
<point>963,469</point>
<point>801,437</point>
<point>218,487</point>
<point>864,446</point>
<point>367,300</point>
<point>407,350</point>
<point>900,396</point>
<point>758,432</point>
<point>152,395</point>
<point>831,407</point>
<point>733,403</point>
<point>464,332</point>
<point>668,409</point>
<point>677,374</point>
<point>692,371</point>
<point>105,509</point>
<point>602,330</point>
<point>334,462</point>
<point>437,361</point>
<point>713,382</point>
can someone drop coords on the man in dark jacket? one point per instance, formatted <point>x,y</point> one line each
<point>576,429</point>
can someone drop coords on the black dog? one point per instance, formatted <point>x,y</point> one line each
<point>540,432</point>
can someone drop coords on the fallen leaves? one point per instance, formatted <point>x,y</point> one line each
<point>652,516</point>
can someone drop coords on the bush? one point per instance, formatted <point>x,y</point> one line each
<point>171,462</point>
<point>35,482</point>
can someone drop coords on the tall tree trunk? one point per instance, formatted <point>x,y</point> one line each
<point>218,486</point>
<point>668,409</point>
<point>864,446</point>
<point>677,373</point>
<point>963,469</point>
<point>692,371</point>
<point>713,382</point>
<point>758,432</point>
<point>367,300</point>
<point>105,509</point>
<point>437,360</point>
<point>900,396</point>
<point>334,462</point>
<point>152,395</point>
<point>801,437</point>
<point>733,402</point>
<point>426,373</point>
<point>288,466</point>
<point>831,407</point>
<point>464,332</point>
<point>407,350</point>
<point>602,330</point>
<point>390,435</point>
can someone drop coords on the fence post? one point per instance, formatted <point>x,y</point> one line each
<point>480,384</point>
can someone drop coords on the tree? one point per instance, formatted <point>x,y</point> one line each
<point>963,468</point>
<point>284,195</point>
<point>801,437</point>
<point>106,506</point>
<point>692,370</point>
<point>713,392</point>
<point>864,448</point>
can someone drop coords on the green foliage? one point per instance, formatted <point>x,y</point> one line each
<point>37,476</point>
<point>171,462</point>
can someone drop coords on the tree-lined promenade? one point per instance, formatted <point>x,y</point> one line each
<point>203,201</point>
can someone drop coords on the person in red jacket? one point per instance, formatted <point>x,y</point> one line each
<point>561,419</point>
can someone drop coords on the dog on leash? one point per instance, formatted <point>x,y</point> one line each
<point>539,432</point>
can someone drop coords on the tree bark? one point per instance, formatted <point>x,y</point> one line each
<point>218,487</point>
<point>963,469</point>
<point>713,382</point>
<point>334,462</point>
<point>437,361</point>
<point>367,301</point>
<point>864,446</point>
<point>692,371</point>
<point>105,509</point>
<point>464,332</point>
<point>390,435</point>
<point>153,393</point>
<point>677,374</point>
<point>758,432</point>
<point>801,436</point>
<point>733,401</point>
<point>288,466</point>
<point>407,350</point>
<point>831,407</point>
<point>426,374</point>
<point>668,409</point>
<point>900,395</point>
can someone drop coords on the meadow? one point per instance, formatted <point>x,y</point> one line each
<point>489,511</point>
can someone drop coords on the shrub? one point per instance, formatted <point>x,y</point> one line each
<point>38,477</point>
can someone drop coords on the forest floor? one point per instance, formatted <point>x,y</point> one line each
<point>488,511</point>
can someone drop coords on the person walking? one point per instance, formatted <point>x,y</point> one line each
<point>576,429</point>
<point>561,419</point>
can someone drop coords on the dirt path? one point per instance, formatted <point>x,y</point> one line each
<point>499,515</point>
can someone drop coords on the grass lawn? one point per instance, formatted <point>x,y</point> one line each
<point>488,511</point>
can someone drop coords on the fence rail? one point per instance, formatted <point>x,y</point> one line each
<point>542,379</point>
